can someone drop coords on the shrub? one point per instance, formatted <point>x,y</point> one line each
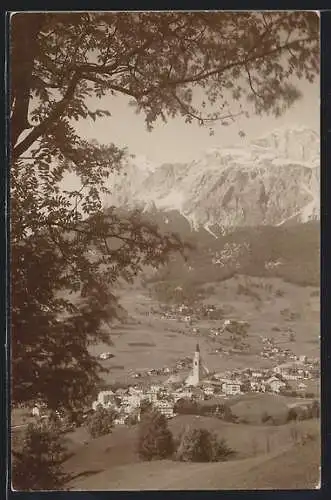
<point>145,406</point>
<point>186,407</point>
<point>201,445</point>
<point>227,415</point>
<point>155,440</point>
<point>101,422</point>
<point>131,419</point>
<point>292,414</point>
<point>303,413</point>
<point>37,464</point>
<point>315,409</point>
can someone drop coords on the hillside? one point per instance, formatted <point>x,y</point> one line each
<point>286,466</point>
<point>290,252</point>
<point>269,181</point>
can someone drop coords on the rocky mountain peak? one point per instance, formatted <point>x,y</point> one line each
<point>271,180</point>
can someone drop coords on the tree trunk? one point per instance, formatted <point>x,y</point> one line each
<point>24,28</point>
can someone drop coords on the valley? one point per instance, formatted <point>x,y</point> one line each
<point>147,341</point>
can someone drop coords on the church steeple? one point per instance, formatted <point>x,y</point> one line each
<point>196,366</point>
<point>198,369</point>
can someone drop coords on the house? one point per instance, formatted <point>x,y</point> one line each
<point>120,419</point>
<point>257,386</point>
<point>275,384</point>
<point>152,393</point>
<point>105,399</point>
<point>288,371</point>
<point>209,390</point>
<point>183,394</point>
<point>134,391</point>
<point>231,387</point>
<point>36,411</point>
<point>121,392</point>
<point>166,408</point>
<point>132,400</point>
<point>106,355</point>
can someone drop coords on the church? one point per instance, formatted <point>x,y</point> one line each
<point>199,370</point>
<point>196,375</point>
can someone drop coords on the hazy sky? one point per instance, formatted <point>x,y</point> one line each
<point>177,141</point>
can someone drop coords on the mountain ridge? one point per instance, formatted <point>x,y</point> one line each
<point>271,180</point>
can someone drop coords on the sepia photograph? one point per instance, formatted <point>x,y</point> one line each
<point>164,250</point>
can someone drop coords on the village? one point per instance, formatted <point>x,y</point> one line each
<point>188,378</point>
<point>290,378</point>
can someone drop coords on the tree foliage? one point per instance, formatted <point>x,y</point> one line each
<point>201,445</point>
<point>155,59</point>
<point>37,464</point>
<point>67,254</point>
<point>101,422</point>
<point>155,440</point>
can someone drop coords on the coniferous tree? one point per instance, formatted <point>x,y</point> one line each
<point>37,464</point>
<point>201,445</point>
<point>101,422</point>
<point>155,440</point>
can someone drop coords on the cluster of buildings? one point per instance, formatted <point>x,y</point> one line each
<point>230,254</point>
<point>200,385</point>
<point>180,364</point>
<point>271,350</point>
<point>127,402</point>
<point>283,376</point>
<point>189,314</point>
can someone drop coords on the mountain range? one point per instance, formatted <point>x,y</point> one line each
<point>272,180</point>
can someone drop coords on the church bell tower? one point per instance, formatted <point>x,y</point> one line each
<point>199,370</point>
<point>196,366</point>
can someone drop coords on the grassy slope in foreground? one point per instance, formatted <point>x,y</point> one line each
<point>110,462</point>
<point>293,468</point>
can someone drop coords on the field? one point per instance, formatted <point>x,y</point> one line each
<point>296,468</point>
<point>251,407</point>
<point>263,452</point>
<point>146,341</point>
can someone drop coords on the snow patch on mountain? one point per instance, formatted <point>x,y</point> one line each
<point>270,180</point>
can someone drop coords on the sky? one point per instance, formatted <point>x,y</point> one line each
<point>177,141</point>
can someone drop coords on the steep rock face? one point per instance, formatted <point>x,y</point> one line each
<point>272,180</point>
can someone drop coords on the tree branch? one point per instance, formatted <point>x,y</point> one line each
<point>111,86</point>
<point>44,125</point>
<point>251,83</point>
<point>201,118</point>
<point>206,74</point>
